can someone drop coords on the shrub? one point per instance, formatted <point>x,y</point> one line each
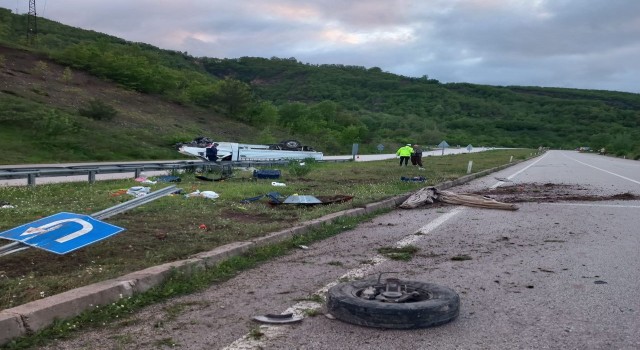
<point>41,69</point>
<point>300,168</point>
<point>98,110</point>
<point>67,75</point>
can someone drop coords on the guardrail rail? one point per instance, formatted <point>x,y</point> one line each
<point>91,170</point>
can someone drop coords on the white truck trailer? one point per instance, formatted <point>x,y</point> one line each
<point>232,151</point>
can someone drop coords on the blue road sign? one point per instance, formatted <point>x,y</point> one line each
<point>62,233</point>
<point>443,144</point>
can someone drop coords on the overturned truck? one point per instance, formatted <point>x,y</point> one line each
<point>232,151</point>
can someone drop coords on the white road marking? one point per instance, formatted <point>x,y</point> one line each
<point>247,342</point>
<point>594,205</point>
<point>499,183</point>
<point>606,171</point>
<point>429,227</point>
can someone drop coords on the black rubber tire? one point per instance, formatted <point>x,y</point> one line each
<point>290,144</point>
<point>442,306</point>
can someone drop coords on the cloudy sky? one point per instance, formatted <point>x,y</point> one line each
<point>587,44</point>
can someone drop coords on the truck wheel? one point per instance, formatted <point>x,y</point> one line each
<point>291,144</point>
<point>436,305</point>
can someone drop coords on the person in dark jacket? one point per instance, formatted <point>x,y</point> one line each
<point>212,152</point>
<point>416,157</point>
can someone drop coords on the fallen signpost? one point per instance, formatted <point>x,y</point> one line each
<point>64,232</point>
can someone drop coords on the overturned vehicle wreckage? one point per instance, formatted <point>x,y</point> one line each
<point>394,304</point>
<point>232,151</point>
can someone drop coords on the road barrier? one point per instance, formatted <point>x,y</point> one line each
<point>32,173</point>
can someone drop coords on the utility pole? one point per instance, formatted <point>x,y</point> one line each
<point>32,25</point>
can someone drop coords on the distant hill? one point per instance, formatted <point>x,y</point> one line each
<point>77,94</point>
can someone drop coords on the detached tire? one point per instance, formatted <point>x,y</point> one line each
<point>291,144</point>
<point>438,305</point>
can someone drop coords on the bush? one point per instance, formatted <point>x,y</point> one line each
<point>300,168</point>
<point>98,110</point>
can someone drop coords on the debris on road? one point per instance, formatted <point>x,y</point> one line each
<point>393,303</point>
<point>278,319</point>
<point>430,195</point>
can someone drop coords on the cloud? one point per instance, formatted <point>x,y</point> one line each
<point>590,44</point>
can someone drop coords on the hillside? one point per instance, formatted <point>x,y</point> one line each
<point>40,122</point>
<point>134,101</point>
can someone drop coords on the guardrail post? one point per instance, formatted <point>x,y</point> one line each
<point>92,176</point>
<point>137,173</point>
<point>31,179</point>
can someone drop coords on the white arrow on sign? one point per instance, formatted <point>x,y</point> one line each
<point>86,227</point>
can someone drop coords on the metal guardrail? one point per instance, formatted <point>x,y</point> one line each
<point>32,173</point>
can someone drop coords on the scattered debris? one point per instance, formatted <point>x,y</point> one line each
<point>600,282</point>
<point>298,199</point>
<point>204,194</point>
<point>221,178</point>
<point>405,253</point>
<point>119,192</point>
<point>266,174</point>
<point>431,194</point>
<point>274,197</point>
<point>203,178</point>
<point>279,184</point>
<point>549,192</point>
<point>413,179</point>
<point>278,319</point>
<point>393,303</point>
<point>503,179</point>
<point>309,202</point>
<point>139,191</point>
<point>304,247</point>
<point>168,178</point>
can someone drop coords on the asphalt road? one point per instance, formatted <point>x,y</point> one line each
<point>552,275</point>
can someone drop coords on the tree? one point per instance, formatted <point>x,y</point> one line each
<point>234,96</point>
<point>264,114</point>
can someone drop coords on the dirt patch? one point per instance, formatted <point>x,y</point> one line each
<point>549,192</point>
<point>246,217</point>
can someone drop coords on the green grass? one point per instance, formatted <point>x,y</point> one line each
<point>168,229</point>
<point>405,253</point>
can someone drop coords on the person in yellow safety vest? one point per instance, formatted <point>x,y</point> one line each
<point>405,153</point>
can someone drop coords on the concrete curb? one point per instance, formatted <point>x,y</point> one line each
<point>36,315</point>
